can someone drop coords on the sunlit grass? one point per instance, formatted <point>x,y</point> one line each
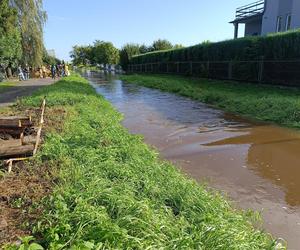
<point>113,191</point>
<point>5,85</point>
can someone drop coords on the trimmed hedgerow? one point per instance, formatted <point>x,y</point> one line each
<point>280,46</point>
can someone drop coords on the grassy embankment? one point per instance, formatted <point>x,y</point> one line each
<point>113,192</point>
<point>261,102</point>
<point>6,85</point>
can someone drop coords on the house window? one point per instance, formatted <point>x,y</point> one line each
<point>288,22</point>
<point>279,24</point>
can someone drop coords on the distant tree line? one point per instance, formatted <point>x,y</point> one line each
<point>100,52</point>
<point>21,33</point>
<point>105,53</point>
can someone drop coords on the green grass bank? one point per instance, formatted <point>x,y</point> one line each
<point>113,192</point>
<point>260,102</point>
<point>6,85</point>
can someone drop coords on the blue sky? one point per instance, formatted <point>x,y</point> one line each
<point>188,22</point>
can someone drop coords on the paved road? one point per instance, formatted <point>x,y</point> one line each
<point>24,88</point>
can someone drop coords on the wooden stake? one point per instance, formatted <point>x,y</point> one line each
<point>10,166</point>
<point>22,138</point>
<point>38,137</point>
<point>10,162</point>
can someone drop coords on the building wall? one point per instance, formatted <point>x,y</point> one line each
<point>253,28</point>
<point>274,9</point>
<point>296,14</point>
<point>283,8</point>
<point>270,16</point>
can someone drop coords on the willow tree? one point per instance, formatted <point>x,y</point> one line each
<point>10,40</point>
<point>31,20</point>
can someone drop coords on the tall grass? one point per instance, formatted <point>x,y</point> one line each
<point>266,103</point>
<point>113,191</point>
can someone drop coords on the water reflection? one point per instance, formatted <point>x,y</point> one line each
<point>274,155</point>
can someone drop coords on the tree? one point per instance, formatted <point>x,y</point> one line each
<point>178,46</point>
<point>144,49</point>
<point>126,53</point>
<point>82,55</point>
<point>205,42</point>
<point>161,44</point>
<point>49,60</point>
<point>10,39</point>
<point>31,20</point>
<point>105,53</point>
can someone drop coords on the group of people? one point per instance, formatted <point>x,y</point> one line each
<point>59,70</point>
<point>54,70</point>
<point>24,73</point>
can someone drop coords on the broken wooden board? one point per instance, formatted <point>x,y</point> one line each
<point>15,125</point>
<point>16,150</point>
<point>13,148</point>
<point>15,121</point>
<point>16,131</point>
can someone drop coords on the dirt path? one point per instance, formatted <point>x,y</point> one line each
<point>24,88</point>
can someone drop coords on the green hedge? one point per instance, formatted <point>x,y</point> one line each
<point>280,46</point>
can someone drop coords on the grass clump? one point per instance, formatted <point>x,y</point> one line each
<point>113,191</point>
<point>261,102</point>
<point>6,85</point>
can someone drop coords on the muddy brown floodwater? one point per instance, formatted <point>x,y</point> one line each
<point>256,164</point>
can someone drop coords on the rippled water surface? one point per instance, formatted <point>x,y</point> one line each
<point>256,164</point>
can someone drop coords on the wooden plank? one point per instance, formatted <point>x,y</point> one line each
<point>15,121</point>
<point>29,140</point>
<point>17,131</point>
<point>19,150</point>
<point>15,117</point>
<point>9,143</point>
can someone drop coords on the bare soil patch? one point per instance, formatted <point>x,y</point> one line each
<point>22,191</point>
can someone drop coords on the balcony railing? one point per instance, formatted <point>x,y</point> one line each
<point>250,10</point>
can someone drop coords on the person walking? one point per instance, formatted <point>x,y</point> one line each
<point>26,72</point>
<point>21,74</point>
<point>62,68</point>
<point>53,71</point>
<point>67,72</point>
<point>57,70</point>
<point>44,71</point>
<point>41,72</point>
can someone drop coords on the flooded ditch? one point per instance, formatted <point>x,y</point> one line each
<point>256,164</point>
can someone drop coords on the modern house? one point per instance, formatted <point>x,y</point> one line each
<point>267,16</point>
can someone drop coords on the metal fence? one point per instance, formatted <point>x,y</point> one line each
<point>273,72</point>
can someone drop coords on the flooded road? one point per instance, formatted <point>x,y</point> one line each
<point>257,165</point>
